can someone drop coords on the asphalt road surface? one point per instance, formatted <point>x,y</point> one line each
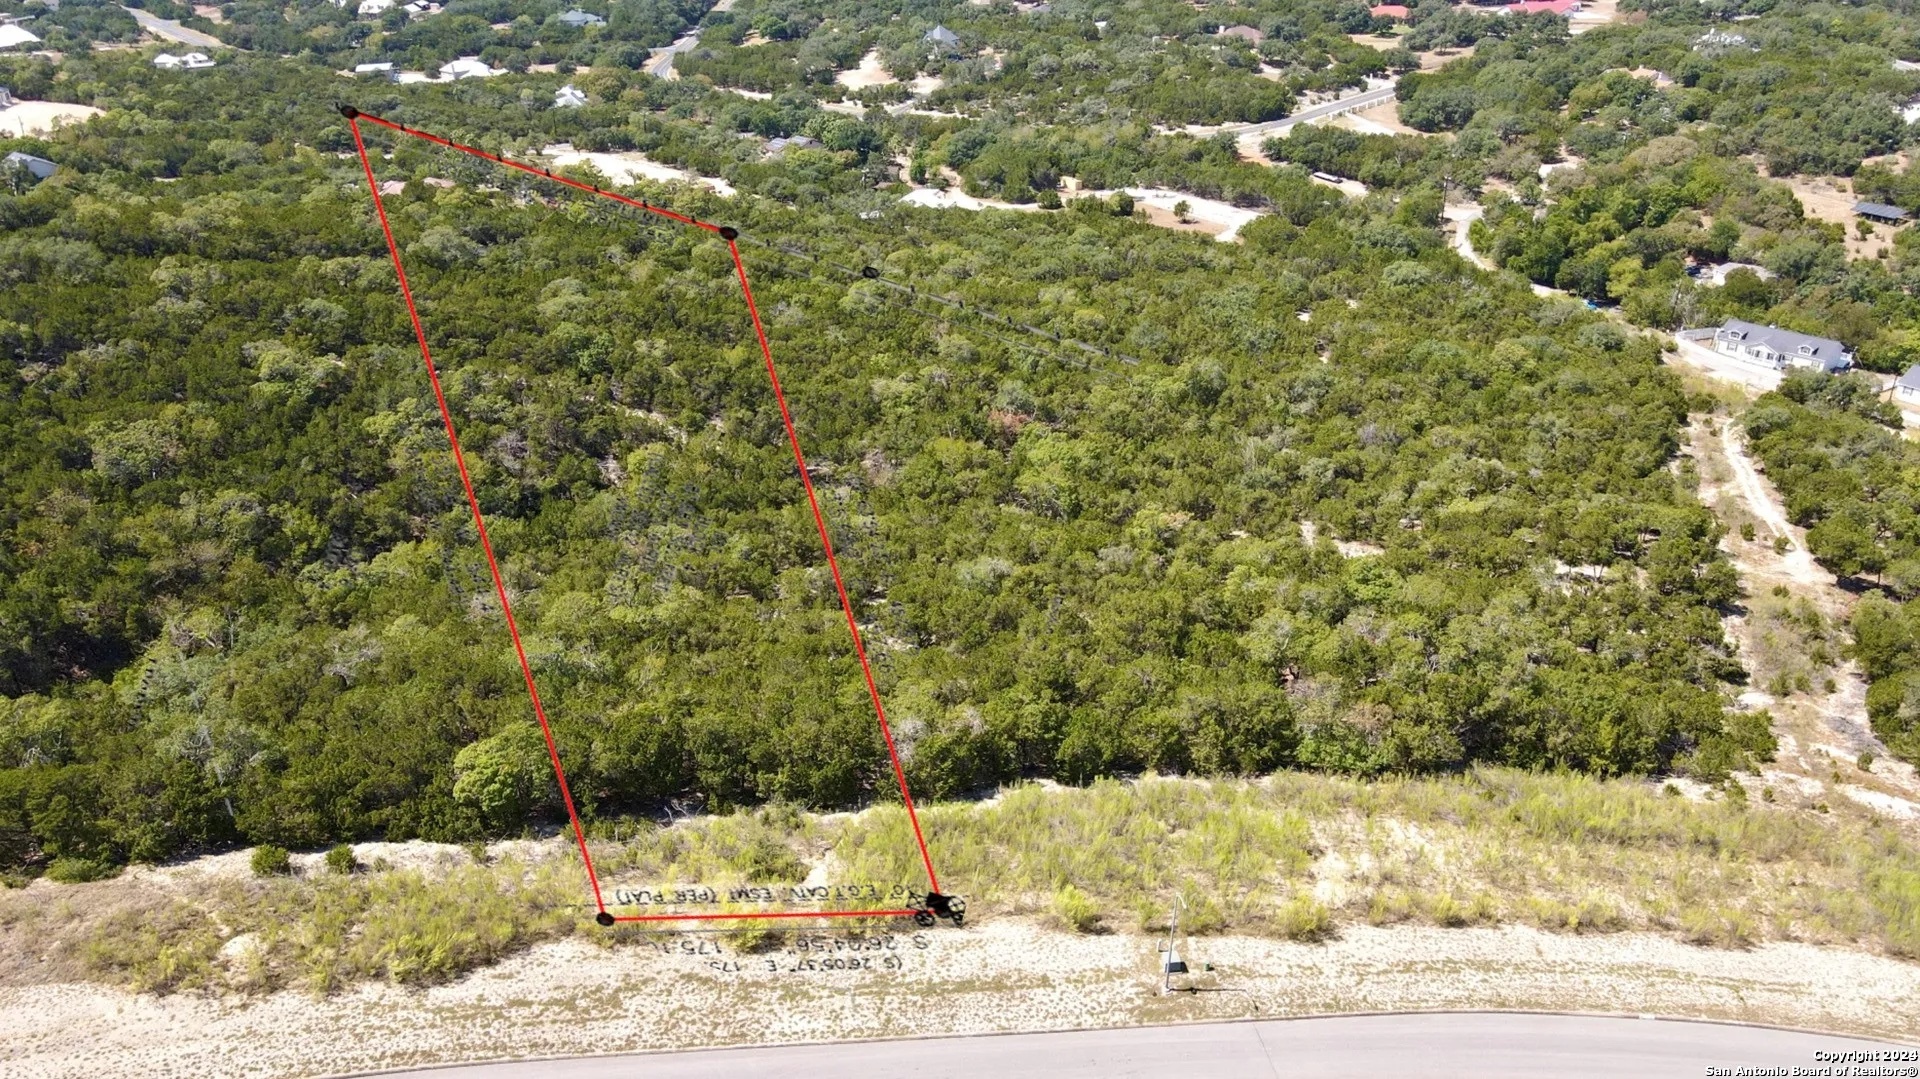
<point>171,30</point>
<point>1494,1045</point>
<point>1354,102</point>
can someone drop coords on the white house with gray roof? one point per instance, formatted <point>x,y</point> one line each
<point>1778,349</point>
<point>1907,389</point>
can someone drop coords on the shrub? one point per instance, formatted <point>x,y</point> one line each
<point>1305,918</point>
<point>341,860</point>
<point>1865,762</point>
<point>81,870</point>
<point>1076,910</point>
<point>271,861</point>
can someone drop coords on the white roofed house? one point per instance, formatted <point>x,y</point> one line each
<point>373,7</point>
<point>942,37</point>
<point>192,61</point>
<point>1778,349</point>
<point>1907,389</point>
<point>568,97</point>
<point>12,36</point>
<point>468,67</point>
<point>578,18</point>
<point>37,167</point>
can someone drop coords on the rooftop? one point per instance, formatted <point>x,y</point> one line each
<point>1879,209</point>
<point>1825,352</point>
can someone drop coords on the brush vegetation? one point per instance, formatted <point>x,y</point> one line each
<point>1294,856</point>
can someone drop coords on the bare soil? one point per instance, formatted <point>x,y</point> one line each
<point>576,996</point>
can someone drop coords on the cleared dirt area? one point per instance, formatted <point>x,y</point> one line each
<point>577,997</point>
<point>1380,120</point>
<point>1594,13</point>
<point>626,167</point>
<point>1794,612</point>
<point>25,118</point>
<point>871,72</point>
<point>1831,198</point>
<point>1432,60</point>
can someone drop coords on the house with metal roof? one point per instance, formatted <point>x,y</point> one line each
<point>40,167</point>
<point>568,97</point>
<point>777,147</point>
<point>13,36</point>
<point>942,37</point>
<point>1907,388</point>
<point>578,18</point>
<point>1881,212</point>
<point>1773,347</point>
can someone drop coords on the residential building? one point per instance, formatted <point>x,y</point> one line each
<point>374,7</point>
<point>1245,33</point>
<point>1907,389</point>
<point>1771,346</point>
<point>40,167</point>
<point>467,67</point>
<point>568,97</point>
<point>1719,39</point>
<point>578,18</point>
<point>13,35</point>
<point>942,37</point>
<point>420,9</point>
<point>192,61</point>
<point>1880,212</point>
<point>793,142</point>
<point>384,67</point>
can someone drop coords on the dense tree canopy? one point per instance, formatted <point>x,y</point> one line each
<point>241,597</point>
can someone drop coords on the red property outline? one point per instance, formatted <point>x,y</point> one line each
<point>731,235</point>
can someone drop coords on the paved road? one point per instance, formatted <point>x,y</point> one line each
<point>1461,1044</point>
<point>171,30</point>
<point>660,63</point>
<point>1365,99</point>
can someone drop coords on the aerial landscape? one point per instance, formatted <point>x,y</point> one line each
<point>1290,534</point>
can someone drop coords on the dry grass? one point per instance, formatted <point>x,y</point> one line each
<point>1294,856</point>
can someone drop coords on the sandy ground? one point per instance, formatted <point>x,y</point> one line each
<point>1462,216</point>
<point>1593,13</point>
<point>1221,220</point>
<point>870,73</point>
<point>577,997</point>
<point>626,167</point>
<point>1383,119</point>
<point>1831,198</point>
<point>209,12</point>
<point>42,117</point>
<point>1350,188</point>
<point>1821,732</point>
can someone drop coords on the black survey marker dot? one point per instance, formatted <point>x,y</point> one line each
<point>869,272</point>
<point>349,112</point>
<point>603,918</point>
<point>728,232</point>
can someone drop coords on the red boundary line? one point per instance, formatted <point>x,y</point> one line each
<point>486,546</point>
